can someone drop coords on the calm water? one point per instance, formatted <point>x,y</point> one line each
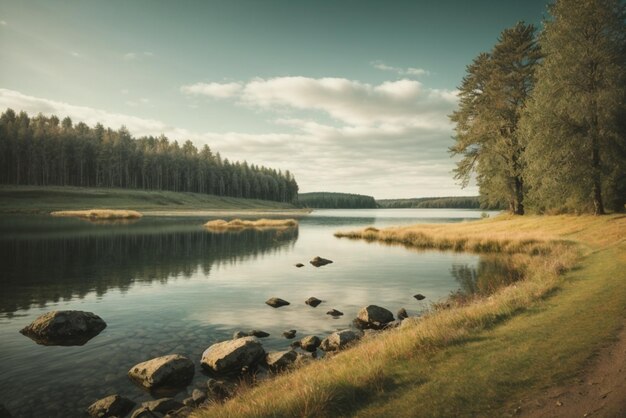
<point>165,285</point>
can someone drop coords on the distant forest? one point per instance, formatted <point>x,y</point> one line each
<point>46,151</point>
<point>324,200</point>
<point>461,202</point>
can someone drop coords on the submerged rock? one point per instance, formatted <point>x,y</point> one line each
<point>299,265</point>
<point>313,301</point>
<point>373,316</point>
<point>290,334</point>
<point>419,296</point>
<point>64,328</point>
<point>339,340</point>
<point>111,406</point>
<point>334,312</point>
<point>280,360</point>
<point>276,302</point>
<point>402,314</point>
<point>253,333</point>
<point>173,370</point>
<point>233,355</point>
<point>310,343</point>
<point>319,261</point>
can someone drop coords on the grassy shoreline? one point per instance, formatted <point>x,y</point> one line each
<point>474,359</point>
<point>38,199</point>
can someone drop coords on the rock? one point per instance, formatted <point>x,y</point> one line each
<point>419,296</point>
<point>339,340</point>
<point>313,301</point>
<point>280,360</point>
<point>259,334</point>
<point>373,316</point>
<point>402,314</point>
<point>295,344</point>
<point>233,355</point>
<point>299,265</point>
<point>143,412</point>
<point>183,412</point>
<point>219,389</point>
<point>189,401</point>
<point>163,405</point>
<point>319,261</point>
<point>64,328</point>
<point>111,406</point>
<point>276,302</point>
<point>240,334</point>
<point>393,324</point>
<point>173,370</point>
<point>310,343</point>
<point>289,334</point>
<point>198,396</point>
<point>334,312</point>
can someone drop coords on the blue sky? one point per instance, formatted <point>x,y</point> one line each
<point>348,95</point>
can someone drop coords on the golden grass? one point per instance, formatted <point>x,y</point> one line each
<point>220,224</point>
<point>100,214</point>
<point>408,361</point>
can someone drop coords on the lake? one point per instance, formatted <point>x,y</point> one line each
<point>166,285</point>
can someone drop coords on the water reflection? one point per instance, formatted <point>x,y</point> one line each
<point>50,267</point>
<point>490,274</point>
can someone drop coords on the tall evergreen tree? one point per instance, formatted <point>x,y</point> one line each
<point>574,126</point>
<point>493,95</point>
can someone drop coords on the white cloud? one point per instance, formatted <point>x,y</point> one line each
<point>215,90</point>
<point>75,54</point>
<point>3,22</point>
<point>137,56</point>
<point>411,71</point>
<point>130,56</point>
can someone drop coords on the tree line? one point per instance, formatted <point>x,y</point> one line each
<point>327,200</point>
<point>46,151</point>
<point>541,120</point>
<point>452,202</point>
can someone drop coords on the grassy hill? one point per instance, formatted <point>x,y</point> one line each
<point>37,199</point>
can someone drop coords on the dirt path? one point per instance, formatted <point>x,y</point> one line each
<point>599,392</point>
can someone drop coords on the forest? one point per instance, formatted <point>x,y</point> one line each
<point>541,119</point>
<point>452,202</point>
<point>327,200</point>
<point>45,151</point>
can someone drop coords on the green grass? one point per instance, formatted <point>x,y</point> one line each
<point>35,199</point>
<point>475,359</point>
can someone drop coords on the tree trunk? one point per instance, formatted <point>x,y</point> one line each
<point>519,196</point>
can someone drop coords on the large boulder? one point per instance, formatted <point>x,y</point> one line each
<point>319,261</point>
<point>233,355</point>
<point>339,340</point>
<point>281,360</point>
<point>276,302</point>
<point>64,328</point>
<point>173,370</point>
<point>111,406</point>
<point>310,343</point>
<point>373,316</point>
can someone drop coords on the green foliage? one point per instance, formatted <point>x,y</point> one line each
<point>458,202</point>
<point>40,151</point>
<point>575,124</point>
<point>326,200</point>
<point>492,97</point>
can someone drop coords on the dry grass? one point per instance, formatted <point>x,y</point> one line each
<point>100,214</point>
<point>235,224</point>
<point>386,371</point>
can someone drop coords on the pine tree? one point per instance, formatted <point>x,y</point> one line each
<point>574,126</point>
<point>493,96</point>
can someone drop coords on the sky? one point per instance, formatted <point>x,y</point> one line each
<point>350,96</point>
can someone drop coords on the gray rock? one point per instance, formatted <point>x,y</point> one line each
<point>111,406</point>
<point>173,370</point>
<point>64,328</point>
<point>402,314</point>
<point>419,296</point>
<point>373,316</point>
<point>334,312</point>
<point>313,301</point>
<point>276,302</point>
<point>280,360</point>
<point>143,412</point>
<point>339,340</point>
<point>290,334</point>
<point>310,343</point>
<point>163,405</point>
<point>198,396</point>
<point>319,261</point>
<point>233,355</point>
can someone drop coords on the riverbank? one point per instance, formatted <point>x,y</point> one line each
<point>479,358</point>
<point>35,199</point>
